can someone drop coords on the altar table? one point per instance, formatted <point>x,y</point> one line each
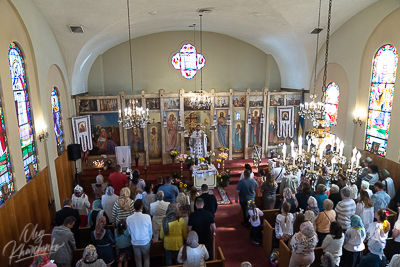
<point>208,177</point>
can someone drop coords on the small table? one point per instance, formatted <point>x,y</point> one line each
<point>208,177</point>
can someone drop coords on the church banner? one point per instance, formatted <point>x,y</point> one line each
<point>82,132</point>
<point>285,121</point>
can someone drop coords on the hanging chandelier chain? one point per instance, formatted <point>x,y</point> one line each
<point>201,48</point>
<point>317,46</point>
<point>326,52</point>
<point>130,44</point>
<point>194,42</point>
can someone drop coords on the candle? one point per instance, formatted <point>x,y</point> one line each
<point>312,163</point>
<point>333,162</point>
<point>284,152</point>
<point>341,148</point>
<point>294,158</point>
<point>291,147</point>
<point>300,144</point>
<point>358,159</point>
<point>353,159</point>
<point>308,145</point>
<point>354,152</point>
<point>337,144</point>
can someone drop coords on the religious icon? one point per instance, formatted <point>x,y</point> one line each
<point>88,105</point>
<point>375,148</point>
<point>276,100</point>
<point>256,101</point>
<point>239,101</point>
<point>222,129</point>
<point>108,105</point>
<point>171,103</point>
<point>272,128</point>
<point>154,142</point>
<point>153,103</point>
<point>172,131</point>
<point>238,144</point>
<point>255,128</point>
<point>221,101</point>
<point>82,127</point>
<point>285,116</point>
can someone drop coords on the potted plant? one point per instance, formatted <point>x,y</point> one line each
<point>173,153</point>
<point>189,161</point>
<point>224,178</point>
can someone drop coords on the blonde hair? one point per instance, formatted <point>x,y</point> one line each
<point>328,204</point>
<point>270,180</point>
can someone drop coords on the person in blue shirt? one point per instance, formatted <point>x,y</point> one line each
<point>245,191</point>
<point>170,191</point>
<point>320,196</point>
<point>380,199</point>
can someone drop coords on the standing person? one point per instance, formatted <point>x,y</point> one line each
<point>388,185</point>
<point>40,259</point>
<point>333,242</point>
<point>256,231</point>
<point>289,197</point>
<point>63,238</point>
<point>324,220</point>
<point>365,187</point>
<point>245,190</point>
<point>260,181</point>
<point>303,244</point>
<point>103,240</point>
<point>365,209</point>
<point>210,202</point>
<point>396,236</point>
<point>90,258</point>
<point>353,243</point>
<point>95,214</point>
<point>193,254</point>
<point>289,181</point>
<point>99,188</point>
<point>320,196</point>
<point>380,199</point>
<point>148,198</point>
<point>284,223</point>
<point>160,182</point>
<point>342,181</point>
<point>247,167</point>
<point>80,201</point>
<point>122,244</point>
<point>278,172</point>
<point>139,226</point>
<point>139,182</point>
<point>353,189</point>
<point>345,209</point>
<point>335,195</point>
<point>303,195</point>
<point>372,174</point>
<point>124,206</point>
<point>118,180</point>
<point>375,257</point>
<point>173,232</point>
<point>170,191</point>
<point>202,222</point>
<point>158,210</point>
<point>313,206</point>
<point>379,230</point>
<point>64,213</point>
<point>365,163</point>
<point>192,196</point>
<point>108,200</point>
<point>269,188</point>
<point>183,207</point>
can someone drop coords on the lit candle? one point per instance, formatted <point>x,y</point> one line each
<point>300,144</point>
<point>358,159</point>
<point>333,163</point>
<point>353,159</point>
<point>337,144</point>
<point>308,145</point>
<point>312,163</point>
<point>341,148</point>
<point>294,158</point>
<point>284,152</point>
<point>354,152</point>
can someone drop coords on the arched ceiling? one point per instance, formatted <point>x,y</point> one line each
<point>277,27</point>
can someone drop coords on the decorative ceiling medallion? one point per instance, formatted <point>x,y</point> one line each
<point>188,61</point>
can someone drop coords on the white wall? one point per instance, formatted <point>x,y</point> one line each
<point>230,63</point>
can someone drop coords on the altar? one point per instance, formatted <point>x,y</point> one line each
<point>208,177</point>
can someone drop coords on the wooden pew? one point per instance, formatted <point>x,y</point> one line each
<point>392,218</point>
<point>219,262</point>
<point>270,216</point>
<point>318,253</point>
<point>269,238</point>
<point>86,235</point>
<point>284,254</point>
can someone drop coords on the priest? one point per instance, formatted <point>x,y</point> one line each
<point>198,143</point>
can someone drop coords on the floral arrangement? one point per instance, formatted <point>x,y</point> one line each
<point>181,157</point>
<point>224,177</point>
<point>189,159</point>
<point>179,183</point>
<point>223,155</point>
<point>218,160</point>
<point>136,155</point>
<point>224,149</point>
<point>98,164</point>
<point>173,153</point>
<point>202,159</point>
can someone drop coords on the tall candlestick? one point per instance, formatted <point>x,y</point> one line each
<point>284,152</point>
<point>300,144</point>
<point>353,159</point>
<point>294,158</point>
<point>308,145</point>
<point>312,163</point>
<point>358,159</point>
<point>341,148</point>
<point>291,147</point>
<point>337,144</point>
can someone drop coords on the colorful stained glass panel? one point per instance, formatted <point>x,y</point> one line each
<point>381,97</point>
<point>332,103</point>
<point>385,65</point>
<point>22,107</point>
<point>188,61</point>
<point>376,145</point>
<point>57,120</point>
<point>378,124</point>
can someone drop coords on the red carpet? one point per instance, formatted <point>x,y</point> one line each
<point>233,238</point>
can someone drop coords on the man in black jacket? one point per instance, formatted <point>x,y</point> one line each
<point>210,202</point>
<point>64,213</point>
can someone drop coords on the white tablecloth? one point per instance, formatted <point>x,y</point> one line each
<point>200,173</point>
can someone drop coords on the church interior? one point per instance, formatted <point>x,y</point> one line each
<point>194,90</point>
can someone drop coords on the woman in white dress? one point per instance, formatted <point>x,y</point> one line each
<point>80,200</point>
<point>193,254</point>
<point>365,209</point>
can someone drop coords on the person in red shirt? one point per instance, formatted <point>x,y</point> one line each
<point>118,180</point>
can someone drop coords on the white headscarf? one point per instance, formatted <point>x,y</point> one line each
<point>375,247</point>
<point>395,262</point>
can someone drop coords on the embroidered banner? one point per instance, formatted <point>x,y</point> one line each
<point>82,132</point>
<point>285,121</point>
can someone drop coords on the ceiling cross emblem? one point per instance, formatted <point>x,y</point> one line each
<point>188,61</point>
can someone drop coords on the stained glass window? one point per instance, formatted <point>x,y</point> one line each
<point>6,179</point>
<point>381,99</point>
<point>188,61</point>
<point>58,127</point>
<point>332,103</point>
<point>23,109</point>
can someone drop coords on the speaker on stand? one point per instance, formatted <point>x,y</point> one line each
<point>74,153</point>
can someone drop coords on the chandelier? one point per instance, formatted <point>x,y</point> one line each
<point>133,115</point>
<point>200,100</point>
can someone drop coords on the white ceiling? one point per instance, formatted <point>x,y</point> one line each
<point>280,27</point>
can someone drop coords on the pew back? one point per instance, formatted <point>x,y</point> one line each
<point>270,216</point>
<point>218,262</point>
<point>269,239</point>
<point>284,254</point>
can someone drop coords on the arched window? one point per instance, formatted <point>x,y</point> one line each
<point>6,179</point>
<point>381,99</point>
<point>332,103</point>
<point>58,127</point>
<point>23,109</point>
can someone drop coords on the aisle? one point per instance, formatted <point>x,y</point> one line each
<point>233,238</point>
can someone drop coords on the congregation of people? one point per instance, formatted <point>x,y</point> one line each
<point>347,218</point>
<point>139,215</point>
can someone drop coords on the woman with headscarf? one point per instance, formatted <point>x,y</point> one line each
<point>303,244</point>
<point>327,260</point>
<point>183,206</point>
<point>313,206</point>
<point>99,188</point>
<point>193,254</point>
<point>108,200</point>
<point>173,232</point>
<point>375,257</point>
<point>123,207</point>
<point>90,258</point>
<point>289,197</point>
<point>103,240</point>
<point>95,214</point>
<point>395,261</point>
<point>80,200</point>
<point>247,167</point>
<point>353,243</point>
<point>40,259</point>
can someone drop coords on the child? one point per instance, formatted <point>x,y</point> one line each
<point>353,189</point>
<point>256,231</point>
<point>123,244</point>
<point>353,243</point>
<point>284,223</point>
<point>379,230</point>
